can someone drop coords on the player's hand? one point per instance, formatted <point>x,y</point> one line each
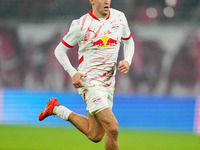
<point>76,80</point>
<point>123,67</point>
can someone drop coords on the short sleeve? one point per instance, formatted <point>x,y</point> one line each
<point>127,33</point>
<point>72,36</point>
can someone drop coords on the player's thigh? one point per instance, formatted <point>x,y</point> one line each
<point>108,120</point>
<point>95,127</point>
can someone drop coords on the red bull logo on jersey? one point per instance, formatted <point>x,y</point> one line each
<point>104,42</point>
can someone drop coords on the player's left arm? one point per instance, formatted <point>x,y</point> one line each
<point>129,48</point>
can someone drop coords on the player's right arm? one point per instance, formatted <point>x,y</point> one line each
<point>61,55</point>
<point>68,41</point>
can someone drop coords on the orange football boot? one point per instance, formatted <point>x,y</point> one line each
<point>48,111</point>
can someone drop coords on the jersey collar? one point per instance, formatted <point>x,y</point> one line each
<point>93,16</point>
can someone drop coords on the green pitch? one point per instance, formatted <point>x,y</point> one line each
<point>35,138</point>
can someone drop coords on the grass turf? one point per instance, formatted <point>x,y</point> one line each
<point>43,138</point>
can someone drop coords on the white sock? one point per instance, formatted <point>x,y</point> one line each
<point>62,112</point>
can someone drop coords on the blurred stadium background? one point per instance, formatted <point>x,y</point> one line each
<point>161,91</point>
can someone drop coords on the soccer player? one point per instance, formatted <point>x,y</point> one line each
<point>98,34</point>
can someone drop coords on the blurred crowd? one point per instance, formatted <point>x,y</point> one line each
<point>136,10</point>
<point>34,66</point>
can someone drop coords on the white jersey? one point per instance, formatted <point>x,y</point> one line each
<point>99,42</point>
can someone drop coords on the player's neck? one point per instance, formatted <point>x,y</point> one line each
<point>99,15</point>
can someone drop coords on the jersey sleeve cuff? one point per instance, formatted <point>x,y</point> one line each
<point>129,61</point>
<point>66,44</point>
<point>127,37</point>
<point>72,72</point>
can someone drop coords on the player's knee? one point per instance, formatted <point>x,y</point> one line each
<point>113,131</point>
<point>95,139</point>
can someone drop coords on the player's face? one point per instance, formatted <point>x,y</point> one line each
<point>100,8</point>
